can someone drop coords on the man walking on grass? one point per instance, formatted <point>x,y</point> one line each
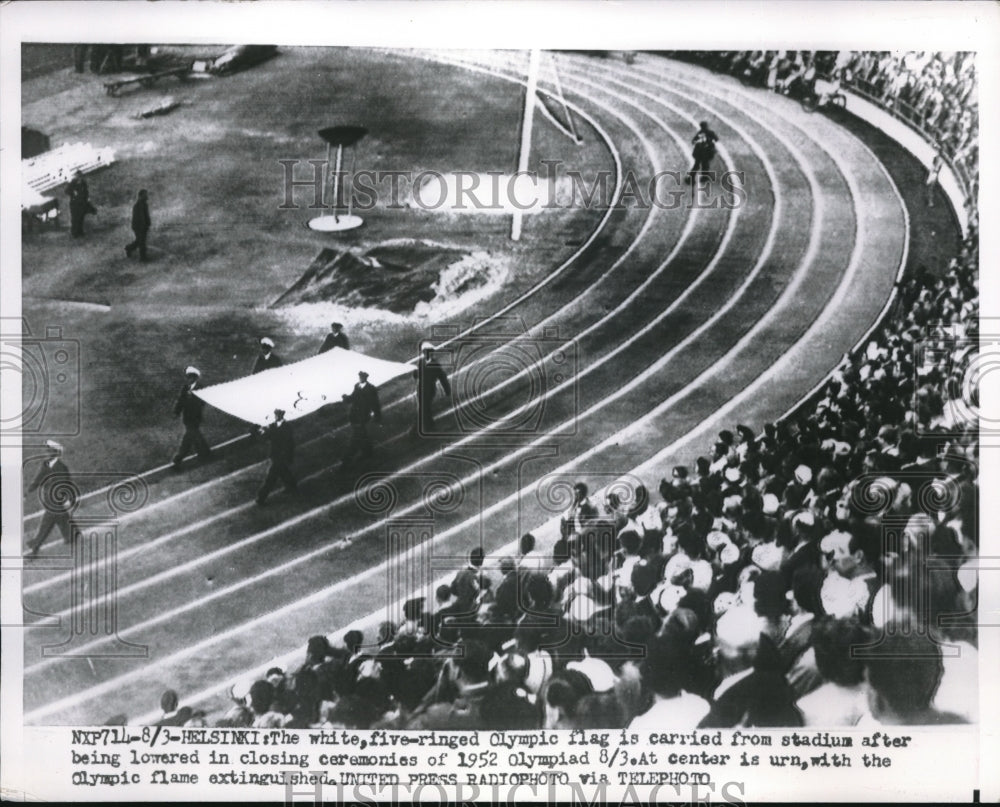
<point>140,226</point>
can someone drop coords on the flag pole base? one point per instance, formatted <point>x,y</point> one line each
<point>335,224</point>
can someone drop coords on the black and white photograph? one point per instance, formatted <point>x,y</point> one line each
<point>465,408</point>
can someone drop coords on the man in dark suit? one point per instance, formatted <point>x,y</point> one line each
<point>279,433</point>
<point>189,408</point>
<point>753,691</point>
<point>79,203</point>
<point>336,338</point>
<point>268,359</point>
<point>365,407</point>
<point>58,496</point>
<point>429,375</point>
<point>704,150</point>
<point>140,225</point>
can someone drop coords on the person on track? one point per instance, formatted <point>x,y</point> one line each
<point>365,407</point>
<point>336,338</point>
<point>58,496</point>
<point>268,359</point>
<point>704,150</point>
<point>429,375</point>
<point>282,440</point>
<point>189,408</point>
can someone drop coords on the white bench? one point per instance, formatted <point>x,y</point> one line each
<point>57,167</point>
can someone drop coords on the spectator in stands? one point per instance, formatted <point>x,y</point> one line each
<point>172,716</point>
<point>753,692</point>
<point>902,680</point>
<point>581,511</point>
<point>851,581</point>
<point>562,696</point>
<point>470,684</point>
<point>666,672</point>
<point>841,699</point>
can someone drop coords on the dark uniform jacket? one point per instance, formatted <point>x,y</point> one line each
<point>140,216</point>
<point>48,478</point>
<point>79,196</point>
<point>364,404</point>
<point>282,442</point>
<point>429,374</point>
<point>335,340</point>
<point>189,406</point>
<point>268,362</point>
<point>704,143</point>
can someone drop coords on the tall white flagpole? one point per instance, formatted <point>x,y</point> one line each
<point>526,121</point>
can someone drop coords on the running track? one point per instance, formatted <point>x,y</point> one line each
<point>668,325</point>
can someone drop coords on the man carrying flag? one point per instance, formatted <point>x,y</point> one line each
<point>429,375</point>
<point>279,433</point>
<point>59,498</point>
<point>189,408</point>
<point>364,408</point>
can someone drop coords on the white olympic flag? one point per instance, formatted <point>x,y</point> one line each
<point>299,388</point>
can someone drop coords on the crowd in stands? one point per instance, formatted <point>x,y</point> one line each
<point>795,576</point>
<point>935,92</point>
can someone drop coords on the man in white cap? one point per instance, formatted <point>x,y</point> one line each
<point>279,432</point>
<point>429,375</point>
<point>364,408</point>
<point>268,359</point>
<point>189,408</point>
<point>58,495</point>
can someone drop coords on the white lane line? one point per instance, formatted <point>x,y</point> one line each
<point>616,155</point>
<point>249,505</point>
<point>816,226</point>
<point>702,277</point>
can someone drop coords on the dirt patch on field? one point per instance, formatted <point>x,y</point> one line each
<point>401,277</point>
